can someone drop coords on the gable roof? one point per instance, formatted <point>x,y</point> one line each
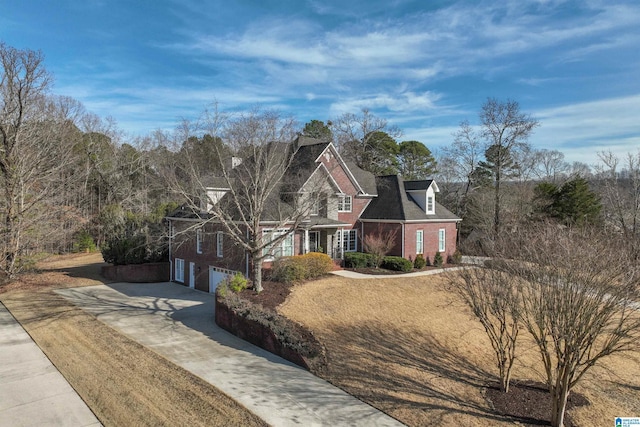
<point>366,179</point>
<point>393,203</point>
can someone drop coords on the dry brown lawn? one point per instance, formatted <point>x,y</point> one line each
<point>411,349</point>
<point>123,383</point>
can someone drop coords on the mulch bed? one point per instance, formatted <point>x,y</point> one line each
<point>530,403</point>
<point>273,294</point>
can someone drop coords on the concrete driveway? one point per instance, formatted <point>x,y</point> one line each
<point>178,323</point>
<point>32,391</point>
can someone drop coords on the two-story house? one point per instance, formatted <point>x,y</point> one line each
<point>347,204</point>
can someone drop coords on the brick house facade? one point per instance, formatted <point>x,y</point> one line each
<point>350,203</point>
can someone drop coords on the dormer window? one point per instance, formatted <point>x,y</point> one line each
<point>430,207</point>
<point>344,203</point>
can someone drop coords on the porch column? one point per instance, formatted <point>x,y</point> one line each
<point>306,240</point>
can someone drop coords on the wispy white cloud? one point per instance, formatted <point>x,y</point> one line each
<point>590,126</point>
<point>422,66</point>
<point>458,38</point>
<point>405,101</point>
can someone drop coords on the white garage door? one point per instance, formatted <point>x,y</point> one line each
<point>218,275</point>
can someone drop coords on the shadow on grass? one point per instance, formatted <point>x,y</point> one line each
<point>383,366</point>
<point>88,271</point>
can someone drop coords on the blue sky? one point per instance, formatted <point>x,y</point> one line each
<point>423,65</point>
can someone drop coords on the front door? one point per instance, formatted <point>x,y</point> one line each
<point>192,275</point>
<point>314,242</point>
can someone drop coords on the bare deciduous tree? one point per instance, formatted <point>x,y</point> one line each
<point>620,192</point>
<point>551,165</point>
<point>457,164</point>
<point>379,244</point>
<point>492,296</point>
<point>577,295</point>
<point>36,141</point>
<point>355,134</point>
<point>506,130</point>
<point>264,203</point>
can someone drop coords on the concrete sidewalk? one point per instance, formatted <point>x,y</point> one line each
<point>32,391</point>
<point>178,323</point>
<point>355,275</point>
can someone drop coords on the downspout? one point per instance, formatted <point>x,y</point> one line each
<point>170,260</point>
<point>403,240</point>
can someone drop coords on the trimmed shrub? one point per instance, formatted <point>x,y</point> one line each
<point>419,262</point>
<point>288,270</point>
<point>317,264</point>
<point>397,263</point>
<point>456,258</point>
<point>301,267</point>
<point>437,260</point>
<point>359,260</point>
<point>237,283</point>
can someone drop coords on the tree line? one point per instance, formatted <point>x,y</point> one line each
<point>71,179</point>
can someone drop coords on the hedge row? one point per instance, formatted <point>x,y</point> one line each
<point>359,260</point>
<point>288,333</point>
<point>397,263</point>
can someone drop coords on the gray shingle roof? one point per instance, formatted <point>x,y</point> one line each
<point>365,178</point>
<point>393,203</point>
<point>417,185</point>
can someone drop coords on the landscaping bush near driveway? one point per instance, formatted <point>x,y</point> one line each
<point>269,330</point>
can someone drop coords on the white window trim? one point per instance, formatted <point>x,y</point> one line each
<point>275,252</point>
<point>179,270</point>
<point>220,244</point>
<point>442,238</point>
<point>419,242</point>
<point>430,205</point>
<point>346,240</point>
<point>342,203</point>
<point>199,239</point>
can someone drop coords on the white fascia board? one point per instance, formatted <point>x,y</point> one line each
<point>331,180</point>
<point>173,218</point>
<point>344,166</point>
<point>410,221</point>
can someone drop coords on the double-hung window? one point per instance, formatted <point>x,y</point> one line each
<point>344,203</point>
<point>178,274</point>
<point>199,239</point>
<point>419,241</point>
<point>283,248</point>
<point>219,244</point>
<point>349,240</point>
<point>441,240</point>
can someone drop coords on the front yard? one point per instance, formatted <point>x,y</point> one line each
<point>411,349</point>
<point>123,383</point>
